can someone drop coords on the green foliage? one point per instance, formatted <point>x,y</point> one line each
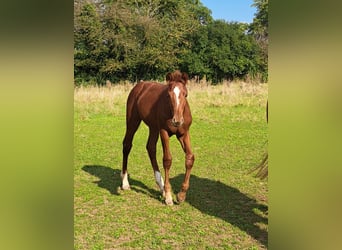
<point>259,30</point>
<point>89,49</point>
<point>139,40</point>
<point>259,27</point>
<point>222,50</point>
<point>231,52</point>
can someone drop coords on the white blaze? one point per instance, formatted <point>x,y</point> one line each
<point>176,90</point>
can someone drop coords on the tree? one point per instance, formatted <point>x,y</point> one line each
<point>144,39</point>
<point>259,30</point>
<point>221,50</point>
<point>89,49</point>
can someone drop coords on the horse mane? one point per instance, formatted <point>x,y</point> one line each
<point>177,76</point>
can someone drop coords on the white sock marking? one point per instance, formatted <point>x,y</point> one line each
<point>159,180</point>
<point>124,178</point>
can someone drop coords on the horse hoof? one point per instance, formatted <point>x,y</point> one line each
<point>126,187</point>
<point>181,197</point>
<point>169,202</point>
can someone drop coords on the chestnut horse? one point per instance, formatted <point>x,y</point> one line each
<point>165,110</point>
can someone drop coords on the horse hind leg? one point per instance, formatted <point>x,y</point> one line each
<point>132,124</point>
<point>151,149</point>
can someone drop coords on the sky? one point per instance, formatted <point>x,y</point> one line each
<point>231,10</point>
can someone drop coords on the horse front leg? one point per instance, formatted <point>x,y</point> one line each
<point>167,161</point>
<point>151,149</point>
<point>189,162</point>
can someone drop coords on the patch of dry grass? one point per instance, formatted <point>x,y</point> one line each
<point>95,99</point>
<point>229,94</point>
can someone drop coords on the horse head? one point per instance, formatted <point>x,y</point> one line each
<point>177,93</point>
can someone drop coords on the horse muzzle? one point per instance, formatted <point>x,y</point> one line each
<point>177,123</point>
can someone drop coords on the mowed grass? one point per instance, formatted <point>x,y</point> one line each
<point>226,208</point>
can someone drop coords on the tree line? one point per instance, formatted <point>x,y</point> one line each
<point>144,39</point>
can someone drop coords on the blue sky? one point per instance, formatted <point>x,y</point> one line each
<point>231,10</point>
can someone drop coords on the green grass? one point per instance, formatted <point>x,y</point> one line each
<point>226,208</point>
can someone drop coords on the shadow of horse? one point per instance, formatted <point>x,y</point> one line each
<point>227,203</point>
<point>208,196</point>
<point>110,179</point>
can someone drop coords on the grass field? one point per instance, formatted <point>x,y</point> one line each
<point>226,208</point>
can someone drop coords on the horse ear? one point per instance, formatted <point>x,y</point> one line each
<point>185,78</point>
<point>168,77</point>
